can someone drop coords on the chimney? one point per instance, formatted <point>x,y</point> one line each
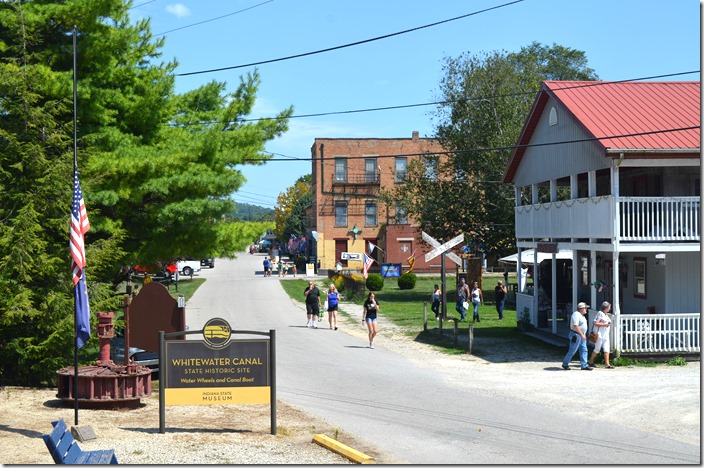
<point>414,135</point>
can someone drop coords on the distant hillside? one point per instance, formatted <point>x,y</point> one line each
<point>247,212</point>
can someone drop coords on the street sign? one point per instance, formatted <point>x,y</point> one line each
<point>350,256</point>
<point>438,248</point>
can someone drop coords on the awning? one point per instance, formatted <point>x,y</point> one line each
<point>528,256</point>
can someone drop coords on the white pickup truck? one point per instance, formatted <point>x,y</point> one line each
<point>187,267</point>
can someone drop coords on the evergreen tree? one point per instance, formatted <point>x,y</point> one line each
<point>157,169</point>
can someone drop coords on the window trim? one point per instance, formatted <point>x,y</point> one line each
<point>342,160</point>
<point>341,204</point>
<point>367,204</point>
<point>398,176</point>
<point>640,263</point>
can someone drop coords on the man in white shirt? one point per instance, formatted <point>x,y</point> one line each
<point>578,338</point>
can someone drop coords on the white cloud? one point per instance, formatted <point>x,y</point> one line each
<point>178,9</point>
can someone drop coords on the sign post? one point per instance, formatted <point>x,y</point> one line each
<point>442,249</point>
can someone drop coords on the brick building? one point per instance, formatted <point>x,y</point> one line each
<point>348,176</point>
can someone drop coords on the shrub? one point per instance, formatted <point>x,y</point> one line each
<point>407,281</point>
<point>339,282</point>
<point>375,282</point>
<point>677,361</point>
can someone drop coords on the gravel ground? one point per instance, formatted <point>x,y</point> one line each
<point>662,400</point>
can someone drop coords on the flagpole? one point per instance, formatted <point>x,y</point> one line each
<point>75,299</point>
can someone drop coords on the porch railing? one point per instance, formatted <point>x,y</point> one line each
<point>659,333</point>
<point>659,218</point>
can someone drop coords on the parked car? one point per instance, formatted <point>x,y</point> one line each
<point>209,262</point>
<point>187,267</point>
<point>140,356</point>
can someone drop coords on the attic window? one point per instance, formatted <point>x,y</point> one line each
<point>552,121</point>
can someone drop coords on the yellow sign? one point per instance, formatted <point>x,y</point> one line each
<point>217,396</point>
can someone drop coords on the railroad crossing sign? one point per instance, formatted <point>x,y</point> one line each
<point>438,248</point>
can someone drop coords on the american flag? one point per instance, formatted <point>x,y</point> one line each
<point>79,226</point>
<point>368,261</point>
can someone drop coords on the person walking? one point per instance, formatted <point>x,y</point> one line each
<point>266,266</point>
<point>333,299</point>
<point>578,338</point>
<point>312,294</point>
<point>461,298</point>
<point>436,298</point>
<point>369,316</point>
<point>499,298</point>
<point>477,299</point>
<point>602,327</point>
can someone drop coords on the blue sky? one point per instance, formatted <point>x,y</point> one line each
<point>623,39</point>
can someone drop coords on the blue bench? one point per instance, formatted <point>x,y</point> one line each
<point>65,450</point>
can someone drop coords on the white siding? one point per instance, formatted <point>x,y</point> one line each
<point>542,163</point>
<point>682,282</point>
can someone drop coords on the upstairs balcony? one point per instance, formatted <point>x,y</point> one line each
<point>640,219</point>
<point>369,178</point>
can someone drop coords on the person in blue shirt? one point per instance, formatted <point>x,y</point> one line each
<point>333,298</point>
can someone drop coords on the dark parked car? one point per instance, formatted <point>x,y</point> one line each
<point>140,356</point>
<point>207,262</point>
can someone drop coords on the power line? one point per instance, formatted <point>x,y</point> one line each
<point>386,36</point>
<point>211,19</point>
<point>499,148</point>
<point>451,101</point>
<point>142,4</point>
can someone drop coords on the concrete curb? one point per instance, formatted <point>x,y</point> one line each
<point>342,449</point>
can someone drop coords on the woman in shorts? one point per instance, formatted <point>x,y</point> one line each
<point>369,314</point>
<point>333,298</point>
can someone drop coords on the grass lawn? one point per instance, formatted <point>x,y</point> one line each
<point>405,309</point>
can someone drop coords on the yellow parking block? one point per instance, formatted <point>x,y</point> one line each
<point>342,449</point>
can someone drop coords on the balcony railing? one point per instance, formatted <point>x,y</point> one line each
<point>659,219</point>
<point>642,219</point>
<point>357,179</point>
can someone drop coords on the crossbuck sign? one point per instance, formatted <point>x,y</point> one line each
<point>438,248</point>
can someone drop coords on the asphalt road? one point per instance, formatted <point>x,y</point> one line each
<point>408,413</point>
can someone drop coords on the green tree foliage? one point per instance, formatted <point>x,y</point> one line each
<point>157,169</point>
<point>290,212</point>
<point>486,98</point>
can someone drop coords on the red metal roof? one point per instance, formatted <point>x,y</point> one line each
<point>650,115</point>
<point>634,108</point>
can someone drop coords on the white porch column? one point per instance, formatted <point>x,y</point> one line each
<point>592,275</point>
<point>553,299</point>
<point>536,283</point>
<point>616,280</point>
<point>592,183</point>
<point>576,269</point>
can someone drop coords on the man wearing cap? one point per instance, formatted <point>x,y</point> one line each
<point>578,338</point>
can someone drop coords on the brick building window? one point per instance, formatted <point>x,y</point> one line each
<point>340,170</point>
<point>370,213</point>
<point>340,214</point>
<point>370,172</point>
<point>401,169</point>
<point>431,168</point>
<point>401,214</point>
